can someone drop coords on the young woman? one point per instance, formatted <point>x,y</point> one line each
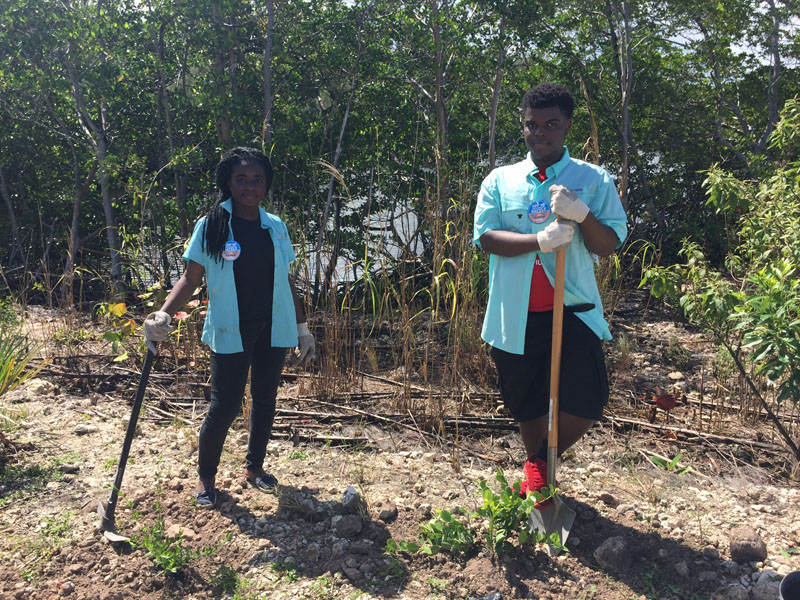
<point>253,312</point>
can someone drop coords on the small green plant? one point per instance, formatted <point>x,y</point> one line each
<point>507,515</point>
<point>8,313</point>
<point>438,585</point>
<point>121,326</point>
<point>53,533</point>
<point>167,553</point>
<point>676,354</point>
<point>299,455</point>
<point>445,532</point>
<point>788,552</point>
<point>226,579</point>
<point>323,587</point>
<point>16,480</point>
<point>286,569</point>
<point>671,466</point>
<point>16,354</point>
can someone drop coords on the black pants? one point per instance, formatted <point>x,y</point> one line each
<point>228,379</point>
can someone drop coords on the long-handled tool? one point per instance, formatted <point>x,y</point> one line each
<point>557,517</point>
<point>107,512</point>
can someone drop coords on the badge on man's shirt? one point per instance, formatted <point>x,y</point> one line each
<point>231,250</point>
<point>538,211</point>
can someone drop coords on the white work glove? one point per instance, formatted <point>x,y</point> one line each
<point>555,236</point>
<point>156,329</point>
<point>565,203</point>
<point>305,343</point>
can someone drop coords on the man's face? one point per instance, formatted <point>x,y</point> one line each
<point>545,131</point>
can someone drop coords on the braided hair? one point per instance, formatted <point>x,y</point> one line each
<point>215,229</point>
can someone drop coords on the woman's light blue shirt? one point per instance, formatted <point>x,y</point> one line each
<point>503,203</point>
<point>221,328</point>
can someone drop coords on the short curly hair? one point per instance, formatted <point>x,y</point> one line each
<point>546,95</point>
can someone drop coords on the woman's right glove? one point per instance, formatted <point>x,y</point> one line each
<point>157,328</point>
<point>555,236</point>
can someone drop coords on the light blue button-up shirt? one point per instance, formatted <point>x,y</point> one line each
<point>503,202</point>
<point>221,328</point>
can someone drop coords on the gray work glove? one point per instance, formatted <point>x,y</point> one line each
<point>565,203</point>
<point>306,346</point>
<point>555,236</point>
<point>157,327</point>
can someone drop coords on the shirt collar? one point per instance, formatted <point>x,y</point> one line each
<point>555,169</point>
<point>228,205</point>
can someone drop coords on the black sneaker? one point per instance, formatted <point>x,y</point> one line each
<point>206,499</point>
<point>265,482</point>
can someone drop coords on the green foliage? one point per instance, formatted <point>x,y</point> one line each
<point>752,306</point>
<point>8,313</point>
<point>507,516</point>
<point>121,327</point>
<point>671,466</point>
<point>286,569</point>
<point>167,553</point>
<point>226,579</point>
<point>444,532</point>
<point>52,533</point>
<point>16,354</point>
<point>16,480</point>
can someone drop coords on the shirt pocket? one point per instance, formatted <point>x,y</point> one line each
<point>515,218</point>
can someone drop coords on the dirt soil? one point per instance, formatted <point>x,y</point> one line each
<point>642,530</point>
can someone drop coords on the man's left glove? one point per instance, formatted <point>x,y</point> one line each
<point>565,203</point>
<point>306,346</point>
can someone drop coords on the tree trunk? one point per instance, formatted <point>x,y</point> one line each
<point>775,77</point>
<point>442,180</point>
<point>223,117</point>
<point>332,179</point>
<point>16,242</point>
<point>163,97</point>
<point>498,82</point>
<point>266,130</point>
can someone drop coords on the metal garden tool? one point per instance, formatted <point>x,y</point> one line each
<point>107,512</point>
<point>557,517</point>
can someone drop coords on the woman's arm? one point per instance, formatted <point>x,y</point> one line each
<point>180,294</point>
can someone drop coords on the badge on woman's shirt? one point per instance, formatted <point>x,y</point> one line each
<point>232,250</point>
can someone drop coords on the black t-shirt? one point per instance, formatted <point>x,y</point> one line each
<point>254,270</point>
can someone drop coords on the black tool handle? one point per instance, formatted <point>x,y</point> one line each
<point>107,522</point>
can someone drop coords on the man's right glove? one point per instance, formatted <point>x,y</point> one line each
<point>566,203</point>
<point>156,329</point>
<point>555,236</point>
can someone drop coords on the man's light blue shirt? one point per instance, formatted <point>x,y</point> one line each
<point>503,203</point>
<point>221,328</point>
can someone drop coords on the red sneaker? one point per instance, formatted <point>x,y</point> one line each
<point>535,473</point>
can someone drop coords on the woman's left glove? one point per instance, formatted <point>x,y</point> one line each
<point>157,327</point>
<point>306,345</point>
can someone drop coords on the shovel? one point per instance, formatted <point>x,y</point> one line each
<point>557,517</point>
<point>107,512</point>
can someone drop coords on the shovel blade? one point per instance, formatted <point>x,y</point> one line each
<point>106,525</point>
<point>556,518</point>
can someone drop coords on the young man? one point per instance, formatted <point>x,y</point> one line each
<point>525,212</point>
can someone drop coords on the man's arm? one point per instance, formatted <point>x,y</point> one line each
<point>509,243</point>
<point>598,238</point>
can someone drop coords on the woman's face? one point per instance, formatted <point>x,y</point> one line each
<point>248,185</point>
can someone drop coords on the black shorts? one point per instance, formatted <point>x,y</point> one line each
<point>525,378</point>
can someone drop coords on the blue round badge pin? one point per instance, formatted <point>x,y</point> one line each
<point>538,211</point>
<point>232,250</point>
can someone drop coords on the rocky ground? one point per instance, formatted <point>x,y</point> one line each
<point>726,529</point>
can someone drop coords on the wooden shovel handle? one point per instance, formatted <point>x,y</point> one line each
<point>555,363</point>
